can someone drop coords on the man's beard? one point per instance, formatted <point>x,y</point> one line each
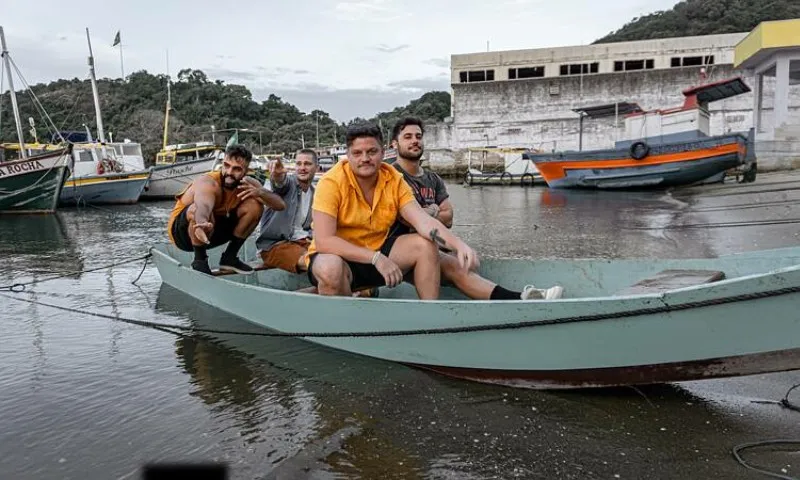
<point>411,156</point>
<point>228,186</point>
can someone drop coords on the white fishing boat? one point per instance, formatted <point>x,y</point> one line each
<point>104,173</point>
<point>179,165</point>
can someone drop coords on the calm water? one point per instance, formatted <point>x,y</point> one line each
<point>83,397</point>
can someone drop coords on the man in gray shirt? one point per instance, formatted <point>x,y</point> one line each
<point>284,235</point>
<point>431,193</point>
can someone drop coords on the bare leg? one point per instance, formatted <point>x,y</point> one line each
<point>248,213</point>
<point>415,252</point>
<point>470,283</point>
<point>332,274</point>
<point>478,288</point>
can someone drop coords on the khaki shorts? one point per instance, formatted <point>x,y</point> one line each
<point>286,255</point>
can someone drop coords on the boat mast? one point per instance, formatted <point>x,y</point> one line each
<point>169,106</point>
<point>100,133</point>
<point>23,154</point>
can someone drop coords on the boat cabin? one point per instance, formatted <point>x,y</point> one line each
<point>187,152</point>
<point>10,151</point>
<point>688,122</point>
<point>118,157</point>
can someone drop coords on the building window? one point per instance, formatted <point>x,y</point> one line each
<point>579,68</point>
<point>624,66</point>
<point>530,72</point>
<point>525,72</point>
<point>692,61</point>
<point>695,61</point>
<point>476,76</point>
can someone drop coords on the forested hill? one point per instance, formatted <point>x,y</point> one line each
<point>704,17</point>
<point>135,109</point>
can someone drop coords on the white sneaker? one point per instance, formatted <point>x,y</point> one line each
<point>532,293</point>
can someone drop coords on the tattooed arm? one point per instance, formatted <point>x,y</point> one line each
<point>436,232</point>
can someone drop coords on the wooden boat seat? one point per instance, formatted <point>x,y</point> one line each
<point>219,273</point>
<point>671,279</point>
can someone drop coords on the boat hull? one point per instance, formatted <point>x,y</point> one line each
<point>597,339</point>
<point>33,185</point>
<point>167,181</point>
<point>703,369</point>
<point>667,165</point>
<point>113,189</point>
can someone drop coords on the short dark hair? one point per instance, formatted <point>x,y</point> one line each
<point>239,151</point>
<point>403,123</point>
<point>363,130</point>
<point>308,151</point>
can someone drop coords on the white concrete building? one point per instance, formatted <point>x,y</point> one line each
<point>526,98</point>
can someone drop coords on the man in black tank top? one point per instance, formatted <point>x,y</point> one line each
<point>431,193</point>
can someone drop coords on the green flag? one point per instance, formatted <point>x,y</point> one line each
<point>233,140</point>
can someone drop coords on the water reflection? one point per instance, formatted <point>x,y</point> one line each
<point>264,402</point>
<point>36,244</point>
<point>265,382</point>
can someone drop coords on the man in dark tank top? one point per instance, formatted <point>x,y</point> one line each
<point>431,193</point>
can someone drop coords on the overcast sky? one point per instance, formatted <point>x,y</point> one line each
<point>349,58</point>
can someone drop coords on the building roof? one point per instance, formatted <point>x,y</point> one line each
<point>567,53</point>
<point>711,92</point>
<point>764,40</point>
<point>608,109</point>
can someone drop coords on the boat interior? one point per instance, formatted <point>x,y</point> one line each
<point>581,278</point>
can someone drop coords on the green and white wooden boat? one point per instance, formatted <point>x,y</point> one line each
<point>34,184</point>
<point>29,183</point>
<point>621,322</point>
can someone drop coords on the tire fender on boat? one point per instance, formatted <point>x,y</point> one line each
<point>526,176</point>
<point>639,150</point>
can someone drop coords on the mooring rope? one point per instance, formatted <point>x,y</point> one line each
<point>20,287</point>
<point>738,449</point>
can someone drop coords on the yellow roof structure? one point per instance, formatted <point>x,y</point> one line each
<point>765,39</point>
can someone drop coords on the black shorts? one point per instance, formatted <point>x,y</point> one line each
<point>365,275</point>
<point>222,234</point>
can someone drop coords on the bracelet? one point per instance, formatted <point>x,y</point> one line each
<point>375,257</point>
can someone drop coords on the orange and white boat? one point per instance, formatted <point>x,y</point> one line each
<point>664,147</point>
